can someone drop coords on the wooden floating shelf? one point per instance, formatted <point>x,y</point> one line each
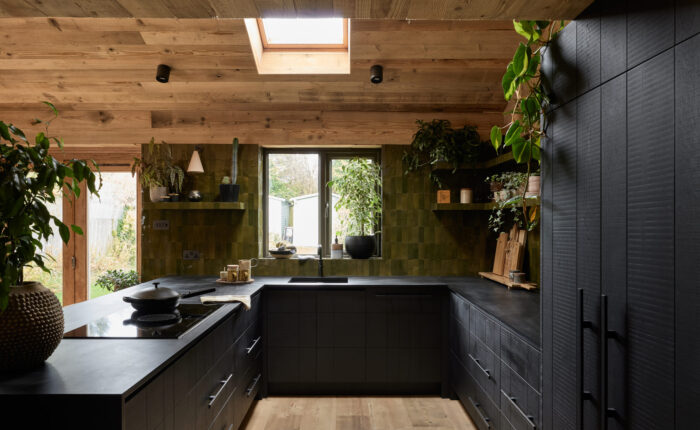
<point>473,206</point>
<point>504,280</point>
<point>501,159</point>
<point>235,206</point>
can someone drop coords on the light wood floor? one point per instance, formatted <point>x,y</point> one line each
<point>358,413</point>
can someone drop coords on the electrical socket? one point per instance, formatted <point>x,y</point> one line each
<point>190,254</point>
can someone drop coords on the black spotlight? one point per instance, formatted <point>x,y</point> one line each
<point>163,73</point>
<point>376,74</point>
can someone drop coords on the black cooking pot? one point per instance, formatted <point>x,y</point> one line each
<point>154,300</point>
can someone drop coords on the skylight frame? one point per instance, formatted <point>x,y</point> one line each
<point>315,47</point>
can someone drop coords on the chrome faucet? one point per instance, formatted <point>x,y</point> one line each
<point>320,261</point>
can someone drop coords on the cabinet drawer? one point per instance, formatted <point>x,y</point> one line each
<point>406,299</point>
<point>247,348</point>
<point>212,391</point>
<point>521,357</point>
<point>481,408</point>
<point>459,309</point>
<point>459,340</point>
<point>247,389</point>
<point>485,329</point>
<point>227,417</point>
<point>484,367</point>
<point>247,318</point>
<point>519,402</point>
<point>208,350</point>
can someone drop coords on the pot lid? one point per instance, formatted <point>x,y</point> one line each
<point>155,293</point>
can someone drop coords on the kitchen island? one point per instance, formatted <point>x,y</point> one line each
<point>113,378</point>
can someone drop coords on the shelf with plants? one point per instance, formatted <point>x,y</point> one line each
<point>239,206</point>
<point>487,206</point>
<point>483,165</point>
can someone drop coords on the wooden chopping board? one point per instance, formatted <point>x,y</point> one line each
<point>500,260</point>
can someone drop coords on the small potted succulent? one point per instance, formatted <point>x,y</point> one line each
<point>228,189</point>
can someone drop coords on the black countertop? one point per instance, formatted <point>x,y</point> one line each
<point>117,367</point>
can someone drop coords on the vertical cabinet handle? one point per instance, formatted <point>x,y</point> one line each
<point>582,325</point>
<point>486,371</point>
<point>606,334</point>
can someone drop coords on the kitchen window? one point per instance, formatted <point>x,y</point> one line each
<point>299,207</point>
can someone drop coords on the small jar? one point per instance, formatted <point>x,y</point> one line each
<point>244,275</point>
<point>232,273</point>
<point>466,195</point>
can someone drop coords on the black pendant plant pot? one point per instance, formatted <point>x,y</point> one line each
<point>229,192</point>
<point>360,247</point>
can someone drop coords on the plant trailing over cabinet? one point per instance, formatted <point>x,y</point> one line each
<point>523,87</point>
<point>436,141</point>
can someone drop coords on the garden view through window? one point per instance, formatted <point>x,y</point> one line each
<point>301,207</point>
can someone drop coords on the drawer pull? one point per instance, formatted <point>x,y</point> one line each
<point>484,418</point>
<point>487,372</point>
<point>223,383</point>
<point>529,418</point>
<point>252,385</point>
<point>230,427</point>
<point>250,349</point>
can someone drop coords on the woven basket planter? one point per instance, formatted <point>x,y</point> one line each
<point>30,328</point>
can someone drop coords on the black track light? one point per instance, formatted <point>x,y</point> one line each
<point>163,73</point>
<point>376,74</point>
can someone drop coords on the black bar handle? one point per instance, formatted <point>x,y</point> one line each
<point>484,418</point>
<point>582,324</point>
<point>513,401</point>
<point>486,371</point>
<point>606,412</point>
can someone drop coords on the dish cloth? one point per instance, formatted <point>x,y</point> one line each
<point>231,298</point>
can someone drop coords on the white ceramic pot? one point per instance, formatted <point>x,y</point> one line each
<point>533,186</point>
<point>155,193</point>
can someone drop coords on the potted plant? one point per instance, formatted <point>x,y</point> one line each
<point>115,280</point>
<point>157,171</point>
<point>228,189</point>
<point>437,142</point>
<point>31,316</point>
<point>508,200</point>
<point>359,187</point>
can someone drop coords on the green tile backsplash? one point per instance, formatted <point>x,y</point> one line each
<point>415,240</point>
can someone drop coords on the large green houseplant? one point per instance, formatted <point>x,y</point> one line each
<point>157,170</point>
<point>31,316</point>
<point>523,86</point>
<point>358,185</point>
<point>437,142</point>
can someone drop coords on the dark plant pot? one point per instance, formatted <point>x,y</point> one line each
<point>229,192</point>
<point>359,247</point>
<point>32,327</point>
<point>174,197</point>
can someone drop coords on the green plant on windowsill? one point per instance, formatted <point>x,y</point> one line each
<point>522,85</point>
<point>359,187</point>
<point>436,141</point>
<point>115,280</point>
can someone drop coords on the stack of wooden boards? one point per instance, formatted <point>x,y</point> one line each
<point>510,252</point>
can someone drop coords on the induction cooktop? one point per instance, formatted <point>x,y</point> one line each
<point>127,324</point>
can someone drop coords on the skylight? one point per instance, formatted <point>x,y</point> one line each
<point>304,33</point>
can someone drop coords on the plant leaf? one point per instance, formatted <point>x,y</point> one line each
<point>76,229</point>
<point>508,82</point>
<point>520,60</point>
<point>496,137</point>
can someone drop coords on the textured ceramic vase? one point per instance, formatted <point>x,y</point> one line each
<point>30,328</point>
<point>155,193</point>
<point>359,247</point>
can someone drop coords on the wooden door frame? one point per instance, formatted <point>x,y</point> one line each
<point>75,253</point>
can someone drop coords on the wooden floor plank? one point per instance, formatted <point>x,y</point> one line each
<point>358,413</point>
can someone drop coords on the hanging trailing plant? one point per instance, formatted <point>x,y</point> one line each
<point>523,87</point>
<point>436,141</point>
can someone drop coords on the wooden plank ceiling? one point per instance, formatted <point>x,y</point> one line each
<point>373,9</point>
<point>100,73</point>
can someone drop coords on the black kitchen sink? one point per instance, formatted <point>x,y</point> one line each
<point>319,280</point>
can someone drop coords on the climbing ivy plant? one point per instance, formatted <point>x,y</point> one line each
<point>523,88</point>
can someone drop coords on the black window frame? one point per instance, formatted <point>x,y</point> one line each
<point>325,159</point>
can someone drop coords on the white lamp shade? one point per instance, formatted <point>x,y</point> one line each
<point>195,163</point>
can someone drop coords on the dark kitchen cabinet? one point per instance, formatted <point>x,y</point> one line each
<point>211,386</point>
<point>493,371</point>
<point>620,237</point>
<point>355,340</point>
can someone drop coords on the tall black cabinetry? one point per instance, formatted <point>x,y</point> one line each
<point>620,208</point>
